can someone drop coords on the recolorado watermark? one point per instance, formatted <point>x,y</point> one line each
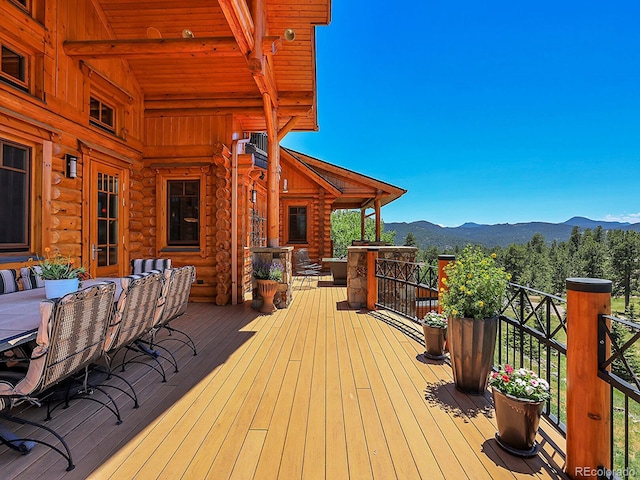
<point>602,472</point>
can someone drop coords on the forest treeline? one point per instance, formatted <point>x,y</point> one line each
<point>613,255</point>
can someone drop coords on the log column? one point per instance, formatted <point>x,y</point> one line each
<point>588,397</point>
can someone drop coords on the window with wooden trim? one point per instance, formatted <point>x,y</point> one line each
<point>101,114</point>
<point>24,4</point>
<point>297,225</point>
<point>15,206</point>
<point>14,67</point>
<point>183,213</point>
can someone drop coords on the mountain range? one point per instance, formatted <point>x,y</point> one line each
<point>503,234</point>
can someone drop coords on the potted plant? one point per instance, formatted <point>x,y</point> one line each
<point>60,274</point>
<point>518,397</point>
<point>268,276</point>
<point>475,289</point>
<point>434,325</point>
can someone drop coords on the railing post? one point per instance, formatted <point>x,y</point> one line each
<point>372,281</point>
<point>443,261</point>
<point>588,397</point>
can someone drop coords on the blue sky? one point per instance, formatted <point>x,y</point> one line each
<point>490,112</point>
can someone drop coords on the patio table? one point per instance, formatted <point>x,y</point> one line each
<point>20,313</point>
<point>19,322</point>
<point>338,269</point>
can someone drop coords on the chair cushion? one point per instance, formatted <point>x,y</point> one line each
<point>140,265</point>
<point>8,281</point>
<point>31,278</point>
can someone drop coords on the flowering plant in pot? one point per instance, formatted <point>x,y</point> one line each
<point>434,325</point>
<point>518,396</point>
<point>268,275</point>
<point>59,272</point>
<point>268,270</point>
<point>474,291</point>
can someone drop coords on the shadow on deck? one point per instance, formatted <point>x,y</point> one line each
<point>313,391</point>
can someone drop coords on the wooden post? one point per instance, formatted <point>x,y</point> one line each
<point>372,281</point>
<point>588,397</point>
<point>362,222</point>
<point>443,260</point>
<point>273,175</point>
<point>377,204</point>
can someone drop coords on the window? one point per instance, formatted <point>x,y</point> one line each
<point>183,223</point>
<point>14,67</point>
<point>15,205</point>
<point>297,224</point>
<point>24,4</point>
<point>101,115</point>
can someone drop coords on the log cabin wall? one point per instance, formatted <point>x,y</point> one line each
<point>303,191</point>
<point>48,113</point>
<point>189,147</point>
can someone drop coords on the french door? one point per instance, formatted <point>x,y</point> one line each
<point>106,213</point>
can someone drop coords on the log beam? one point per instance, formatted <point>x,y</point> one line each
<point>290,125</point>
<point>273,174</point>
<point>297,101</point>
<point>241,23</point>
<point>145,48</point>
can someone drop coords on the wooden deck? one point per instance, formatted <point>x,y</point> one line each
<point>313,391</point>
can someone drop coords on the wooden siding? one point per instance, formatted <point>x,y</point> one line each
<point>313,391</point>
<point>171,145</point>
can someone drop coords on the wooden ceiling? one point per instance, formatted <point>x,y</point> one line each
<point>224,68</point>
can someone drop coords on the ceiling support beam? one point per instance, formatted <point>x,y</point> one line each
<point>260,61</point>
<point>287,127</point>
<point>145,48</point>
<point>241,22</point>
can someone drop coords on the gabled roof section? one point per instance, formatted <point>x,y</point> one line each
<point>352,189</point>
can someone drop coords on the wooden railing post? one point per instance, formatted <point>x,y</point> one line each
<point>372,281</point>
<point>588,397</point>
<point>443,261</point>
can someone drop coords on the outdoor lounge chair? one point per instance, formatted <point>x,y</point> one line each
<point>70,337</point>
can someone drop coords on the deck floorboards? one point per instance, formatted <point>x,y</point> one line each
<point>315,391</point>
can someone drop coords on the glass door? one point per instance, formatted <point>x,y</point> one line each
<point>106,241</point>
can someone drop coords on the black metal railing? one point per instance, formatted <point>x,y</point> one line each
<point>619,366</point>
<point>404,287</point>
<point>532,334</point>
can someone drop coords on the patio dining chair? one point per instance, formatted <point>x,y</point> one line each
<point>306,260</point>
<point>301,270</point>
<point>137,311</point>
<point>142,265</point>
<point>176,290</point>
<point>70,337</point>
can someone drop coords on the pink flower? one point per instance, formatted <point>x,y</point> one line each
<point>508,368</point>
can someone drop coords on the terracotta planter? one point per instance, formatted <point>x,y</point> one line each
<point>434,338</point>
<point>59,288</point>
<point>267,290</point>
<point>518,422</point>
<point>471,346</point>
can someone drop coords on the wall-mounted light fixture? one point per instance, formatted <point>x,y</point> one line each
<point>289,34</point>
<point>285,186</point>
<point>72,166</point>
<point>254,196</point>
